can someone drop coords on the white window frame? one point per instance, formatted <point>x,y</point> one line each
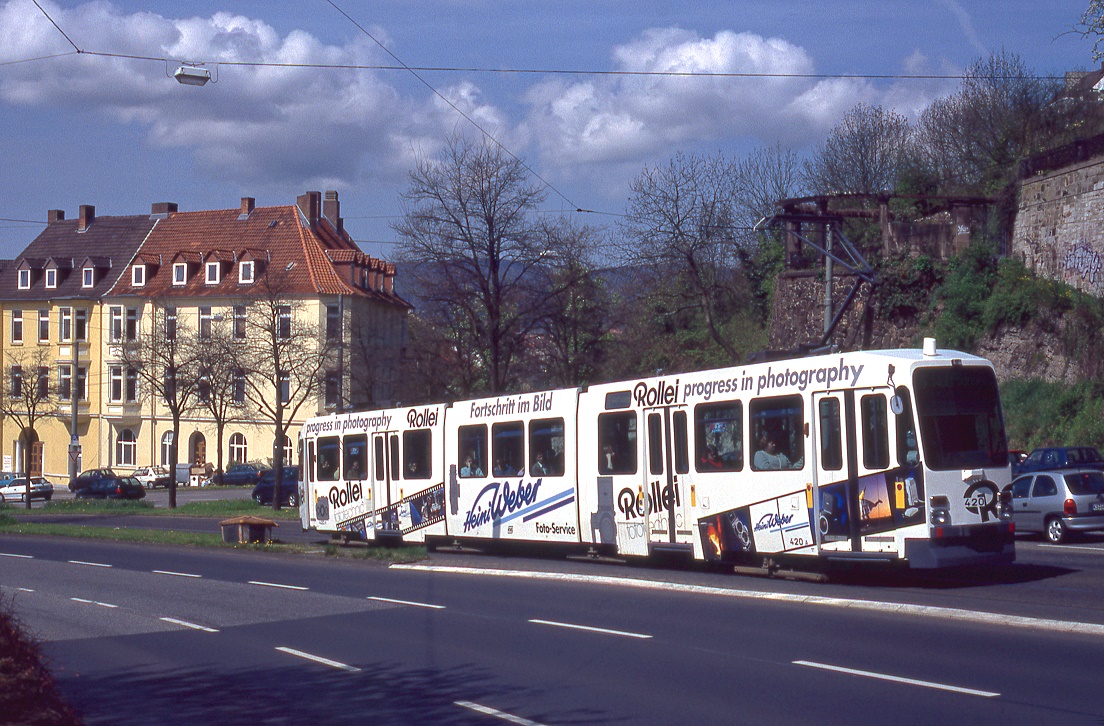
<point>214,273</point>
<point>239,449</point>
<point>51,278</point>
<point>138,276</point>
<point>17,326</point>
<point>130,386</point>
<point>166,447</point>
<point>24,279</point>
<point>115,329</point>
<point>88,277</point>
<point>126,448</point>
<point>180,273</point>
<point>247,272</point>
<point>132,325</point>
<point>115,387</point>
<point>65,325</point>
<point>43,326</point>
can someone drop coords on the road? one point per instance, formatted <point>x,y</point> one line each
<point>146,634</point>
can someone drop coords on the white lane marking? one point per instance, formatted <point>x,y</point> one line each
<point>93,602</point>
<point>897,679</point>
<point>488,711</point>
<point>606,631</point>
<point>1070,547</point>
<point>893,608</point>
<point>88,564</point>
<point>22,557</point>
<point>408,602</point>
<point>276,584</point>
<point>24,589</point>
<point>318,659</point>
<point>175,574</point>
<point>186,624</point>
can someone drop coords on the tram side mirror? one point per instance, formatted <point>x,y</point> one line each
<point>896,405</point>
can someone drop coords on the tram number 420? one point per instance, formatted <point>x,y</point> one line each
<point>799,541</point>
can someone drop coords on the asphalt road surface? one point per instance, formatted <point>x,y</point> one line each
<point>156,634</point>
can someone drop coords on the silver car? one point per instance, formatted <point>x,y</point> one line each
<point>1058,503</point>
<point>15,490</point>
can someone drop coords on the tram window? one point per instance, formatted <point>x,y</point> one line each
<point>355,461</point>
<point>682,449</point>
<point>472,449</point>
<point>377,449</point>
<point>546,447</point>
<point>617,443</point>
<point>394,457</point>
<point>908,453</point>
<point>777,428</point>
<point>655,443</point>
<point>875,432</point>
<point>417,453</point>
<point>329,457</point>
<point>719,436</point>
<point>508,448</point>
<point>831,439</point>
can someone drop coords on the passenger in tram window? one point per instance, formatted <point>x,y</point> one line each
<point>538,468</point>
<point>711,460</point>
<point>471,467</point>
<point>412,470</point>
<point>501,468</point>
<point>769,457</point>
<point>606,462</point>
<point>353,472</point>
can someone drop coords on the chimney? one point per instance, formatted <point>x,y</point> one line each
<point>55,215</point>
<point>87,215</point>
<point>331,210</point>
<point>309,204</point>
<point>248,204</point>
<point>162,210</point>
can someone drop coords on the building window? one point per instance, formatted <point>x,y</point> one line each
<point>116,384</point>
<point>203,385</point>
<point>132,324</point>
<point>51,278</point>
<point>239,321</point>
<point>283,321</point>
<point>138,276</point>
<point>333,388</point>
<point>239,386</point>
<point>289,451</point>
<point>333,322</point>
<point>43,391</point>
<point>88,277</point>
<point>285,388</point>
<point>132,385</point>
<point>65,380</point>
<point>116,324</point>
<point>239,451</point>
<point>170,323</point>
<point>126,448</point>
<point>212,273</point>
<point>43,326</point>
<point>246,272</point>
<point>180,273</point>
<point>82,380</point>
<point>205,322</point>
<point>166,447</point>
<point>65,325</point>
<point>24,279</point>
<point>17,326</point>
<point>15,390</point>
<point>80,318</point>
<point>169,387</point>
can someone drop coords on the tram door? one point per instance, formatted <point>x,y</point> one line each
<point>385,474</point>
<point>307,477</point>
<point>833,495</point>
<point>665,481</point>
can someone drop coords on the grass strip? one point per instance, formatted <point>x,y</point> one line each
<point>221,508</point>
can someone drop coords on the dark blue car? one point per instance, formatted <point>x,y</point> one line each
<point>289,487</point>
<point>241,475</point>
<point>1060,457</point>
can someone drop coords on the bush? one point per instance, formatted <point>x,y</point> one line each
<point>28,694</point>
<point>1037,413</point>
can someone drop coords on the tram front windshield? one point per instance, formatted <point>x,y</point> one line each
<point>960,417</point>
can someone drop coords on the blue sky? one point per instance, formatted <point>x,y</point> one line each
<point>119,134</point>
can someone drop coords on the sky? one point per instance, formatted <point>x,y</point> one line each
<point>121,134</point>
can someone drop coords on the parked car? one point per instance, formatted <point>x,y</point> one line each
<point>1060,457</point>
<point>1059,503</point>
<point>289,487</point>
<point>240,475</point>
<point>112,487</point>
<point>152,477</point>
<point>86,478</point>
<point>1016,457</point>
<point>15,490</point>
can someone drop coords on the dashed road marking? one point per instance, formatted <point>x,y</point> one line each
<point>276,584</point>
<point>175,574</point>
<point>88,564</point>
<point>408,602</point>
<point>488,711</point>
<point>93,602</point>
<point>318,659</point>
<point>22,557</point>
<point>186,624</point>
<point>897,679</point>
<point>590,628</point>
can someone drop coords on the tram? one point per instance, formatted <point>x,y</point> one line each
<point>876,455</point>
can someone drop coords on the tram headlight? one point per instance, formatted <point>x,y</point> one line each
<point>940,511</point>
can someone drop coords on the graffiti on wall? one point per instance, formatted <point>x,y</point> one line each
<point>1083,261</point>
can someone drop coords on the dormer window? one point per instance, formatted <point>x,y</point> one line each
<point>180,273</point>
<point>138,276</point>
<point>88,277</point>
<point>246,272</point>
<point>213,273</point>
<point>24,279</point>
<point>51,278</point>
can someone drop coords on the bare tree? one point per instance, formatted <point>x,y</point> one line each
<point>287,354</point>
<point>474,253</point>
<point>165,357</point>
<point>27,398</point>
<point>680,228</point>
<point>863,154</point>
<point>1091,25</point>
<point>220,360</point>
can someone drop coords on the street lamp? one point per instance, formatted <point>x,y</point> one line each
<point>192,76</point>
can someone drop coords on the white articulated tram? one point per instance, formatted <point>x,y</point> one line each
<point>883,455</point>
